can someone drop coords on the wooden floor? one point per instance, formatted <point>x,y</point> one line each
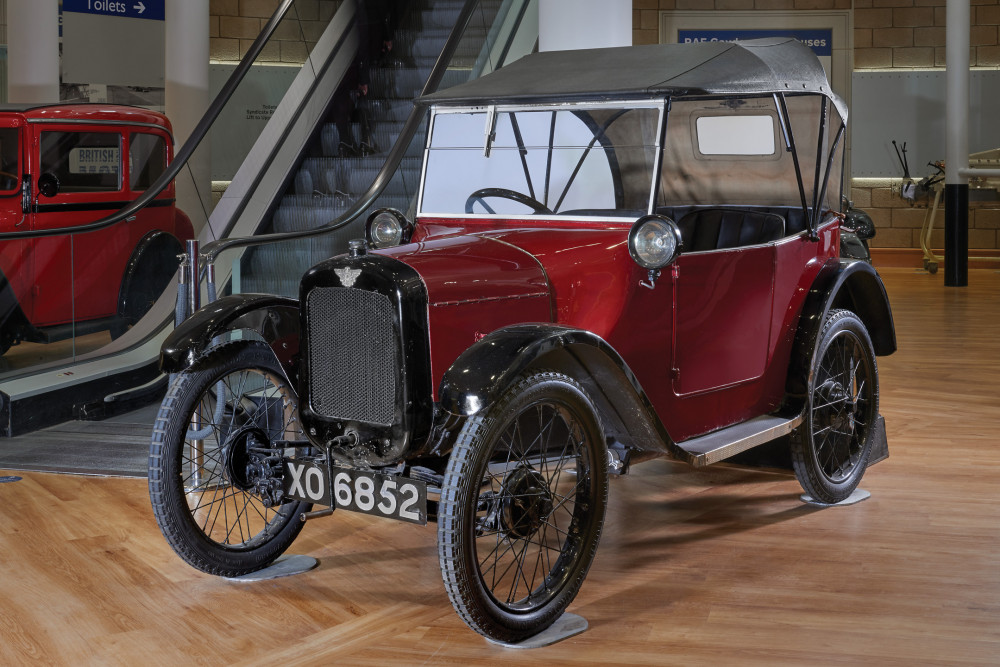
<point>716,567</point>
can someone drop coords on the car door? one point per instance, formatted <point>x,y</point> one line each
<point>80,179</point>
<point>15,281</point>
<point>723,319</point>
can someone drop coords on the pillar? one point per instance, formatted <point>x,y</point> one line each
<point>33,51</point>
<point>584,24</point>
<point>187,98</point>
<point>956,185</point>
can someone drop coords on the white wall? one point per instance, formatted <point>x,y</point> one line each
<point>584,24</point>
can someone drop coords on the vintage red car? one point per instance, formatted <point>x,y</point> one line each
<point>617,254</point>
<point>66,165</point>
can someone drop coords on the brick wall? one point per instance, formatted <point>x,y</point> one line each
<point>888,34</point>
<point>234,24</point>
<point>899,223</point>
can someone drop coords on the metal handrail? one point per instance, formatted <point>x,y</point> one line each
<point>212,250</point>
<point>184,154</point>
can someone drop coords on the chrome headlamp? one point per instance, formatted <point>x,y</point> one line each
<point>654,243</point>
<point>387,228</point>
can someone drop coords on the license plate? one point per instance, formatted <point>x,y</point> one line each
<point>364,491</point>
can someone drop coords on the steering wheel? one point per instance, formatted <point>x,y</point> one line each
<point>8,176</point>
<point>481,195</point>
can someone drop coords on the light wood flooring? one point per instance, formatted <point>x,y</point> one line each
<point>722,566</point>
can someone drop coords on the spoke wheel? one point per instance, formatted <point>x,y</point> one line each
<point>207,474</point>
<point>830,450</point>
<point>522,507</point>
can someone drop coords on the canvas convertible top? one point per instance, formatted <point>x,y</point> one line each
<point>770,65</point>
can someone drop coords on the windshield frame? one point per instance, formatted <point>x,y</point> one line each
<point>492,111</point>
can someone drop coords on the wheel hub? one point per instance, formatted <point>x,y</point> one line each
<point>526,502</point>
<point>841,411</point>
<point>238,465</point>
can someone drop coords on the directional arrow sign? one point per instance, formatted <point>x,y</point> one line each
<point>152,10</point>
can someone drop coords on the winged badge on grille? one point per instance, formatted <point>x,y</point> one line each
<point>347,276</point>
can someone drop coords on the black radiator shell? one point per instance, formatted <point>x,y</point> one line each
<point>379,443</point>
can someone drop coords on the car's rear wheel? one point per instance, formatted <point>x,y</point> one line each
<point>209,459</point>
<point>830,449</point>
<point>522,507</point>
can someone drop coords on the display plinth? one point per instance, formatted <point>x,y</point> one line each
<point>856,497</point>
<point>285,566</point>
<point>566,626</point>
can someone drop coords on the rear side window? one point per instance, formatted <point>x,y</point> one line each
<point>9,152</point>
<point>147,156</point>
<point>83,161</point>
<point>736,135</point>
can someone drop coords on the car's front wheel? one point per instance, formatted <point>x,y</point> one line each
<point>522,507</point>
<point>830,449</point>
<point>210,461</point>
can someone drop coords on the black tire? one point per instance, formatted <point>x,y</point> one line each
<point>515,542</point>
<point>830,449</point>
<point>210,512</point>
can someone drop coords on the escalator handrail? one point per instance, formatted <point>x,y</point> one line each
<point>185,152</point>
<point>211,251</point>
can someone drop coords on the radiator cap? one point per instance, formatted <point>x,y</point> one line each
<point>357,247</point>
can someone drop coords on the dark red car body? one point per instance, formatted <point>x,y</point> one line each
<point>56,285</point>
<point>615,255</point>
<point>482,276</point>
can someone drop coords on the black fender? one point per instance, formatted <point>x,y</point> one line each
<point>482,373</point>
<point>149,270</point>
<point>274,318</point>
<point>851,284</point>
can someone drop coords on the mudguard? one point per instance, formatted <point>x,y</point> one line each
<point>843,283</point>
<point>482,373</point>
<point>150,268</point>
<point>274,318</point>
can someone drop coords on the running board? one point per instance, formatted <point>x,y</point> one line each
<point>730,441</point>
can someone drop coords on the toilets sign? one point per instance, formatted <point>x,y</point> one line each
<point>151,10</point>
<point>114,42</point>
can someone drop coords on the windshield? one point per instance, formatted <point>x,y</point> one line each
<point>584,161</point>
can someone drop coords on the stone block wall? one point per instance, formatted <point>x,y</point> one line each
<point>900,223</point>
<point>888,34</point>
<point>234,24</point>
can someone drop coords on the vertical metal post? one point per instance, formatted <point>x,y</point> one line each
<point>180,308</point>
<point>194,302</point>
<point>956,189</point>
<point>194,279</point>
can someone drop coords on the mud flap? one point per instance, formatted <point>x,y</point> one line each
<point>880,448</point>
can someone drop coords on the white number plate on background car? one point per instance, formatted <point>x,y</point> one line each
<point>362,491</point>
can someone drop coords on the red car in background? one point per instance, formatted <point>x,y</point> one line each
<point>64,165</point>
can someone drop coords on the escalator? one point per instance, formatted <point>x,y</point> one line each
<point>302,191</point>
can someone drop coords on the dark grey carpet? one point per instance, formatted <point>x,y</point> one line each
<point>117,447</point>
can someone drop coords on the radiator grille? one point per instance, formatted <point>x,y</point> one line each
<point>352,355</point>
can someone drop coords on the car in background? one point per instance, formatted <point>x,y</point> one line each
<point>63,166</point>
